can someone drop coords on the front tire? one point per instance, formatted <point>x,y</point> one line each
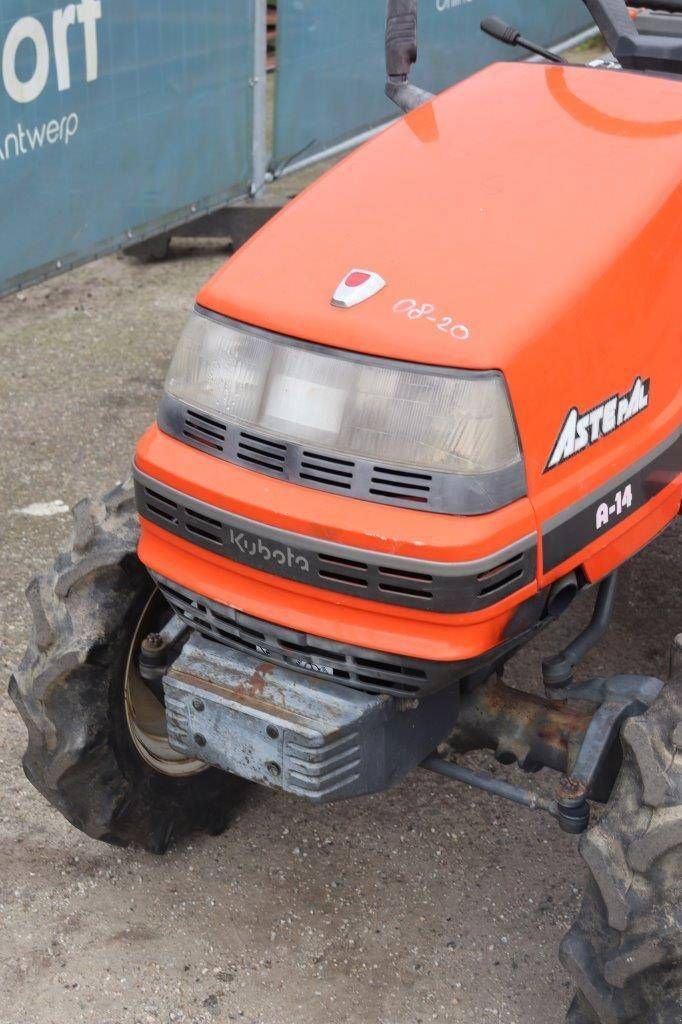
<point>625,950</point>
<point>71,691</point>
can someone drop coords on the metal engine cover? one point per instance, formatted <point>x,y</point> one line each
<point>290,731</point>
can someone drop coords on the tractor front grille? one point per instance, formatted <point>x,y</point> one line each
<point>372,575</point>
<point>370,671</point>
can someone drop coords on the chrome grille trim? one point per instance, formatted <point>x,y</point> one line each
<point>373,575</point>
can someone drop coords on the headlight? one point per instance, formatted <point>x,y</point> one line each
<point>448,421</point>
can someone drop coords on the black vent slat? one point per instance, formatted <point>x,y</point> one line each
<point>401,574</point>
<point>490,573</point>
<point>163,513</point>
<point>203,418</point>
<point>347,563</point>
<point>308,649</point>
<point>203,441</point>
<point>398,687</point>
<point>203,526</point>
<point>407,473</point>
<point>338,577</point>
<point>491,588</point>
<point>419,498</point>
<point>331,470</point>
<point>426,595</point>
<point>329,481</point>
<point>334,459</point>
<point>205,431</point>
<point>265,441</point>
<point>416,673</point>
<point>160,499</point>
<point>264,452</point>
<point>199,532</point>
<point>193,514</point>
<point>261,462</point>
<point>401,485</point>
<point>161,506</point>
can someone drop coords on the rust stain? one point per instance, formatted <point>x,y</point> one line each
<point>243,692</point>
<point>260,676</point>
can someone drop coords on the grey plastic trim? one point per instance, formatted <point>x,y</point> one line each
<point>349,476</point>
<point>383,483</point>
<point>359,572</point>
<point>572,529</point>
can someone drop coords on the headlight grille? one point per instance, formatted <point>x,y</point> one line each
<point>427,437</point>
<point>356,478</point>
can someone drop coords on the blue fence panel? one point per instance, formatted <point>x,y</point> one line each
<point>331,73</point>
<point>117,118</point>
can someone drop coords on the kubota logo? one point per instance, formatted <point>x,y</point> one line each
<point>582,429</point>
<point>255,547</point>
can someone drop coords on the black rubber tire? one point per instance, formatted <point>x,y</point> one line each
<point>69,692</point>
<point>625,950</point>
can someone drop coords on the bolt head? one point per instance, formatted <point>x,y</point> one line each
<point>571,789</point>
<point>198,704</point>
<point>153,642</point>
<point>199,739</point>
<point>274,769</point>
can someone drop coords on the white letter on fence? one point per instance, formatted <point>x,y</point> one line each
<point>89,13</point>
<point>61,21</point>
<point>25,92</point>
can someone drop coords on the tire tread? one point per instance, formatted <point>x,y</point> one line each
<point>75,756</point>
<point>625,950</point>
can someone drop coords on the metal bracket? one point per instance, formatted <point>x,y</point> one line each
<point>157,650</point>
<point>541,733</point>
<point>618,698</point>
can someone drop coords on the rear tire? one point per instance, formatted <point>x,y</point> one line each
<point>625,950</point>
<point>69,690</point>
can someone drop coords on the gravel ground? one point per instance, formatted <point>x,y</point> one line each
<point>430,902</point>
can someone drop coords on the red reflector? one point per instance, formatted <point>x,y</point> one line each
<point>357,278</point>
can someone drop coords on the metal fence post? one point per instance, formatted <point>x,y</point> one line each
<point>260,96</point>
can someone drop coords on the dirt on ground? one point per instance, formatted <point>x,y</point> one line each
<point>430,902</point>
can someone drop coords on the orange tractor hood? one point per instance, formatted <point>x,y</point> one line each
<point>498,205</point>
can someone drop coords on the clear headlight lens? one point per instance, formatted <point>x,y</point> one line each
<point>451,421</point>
